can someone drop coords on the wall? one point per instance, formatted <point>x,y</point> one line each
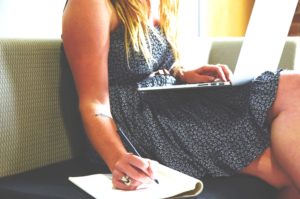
<point>230,18</point>
<point>31,18</point>
<point>225,17</point>
<point>295,27</point>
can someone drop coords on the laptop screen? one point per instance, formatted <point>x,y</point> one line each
<point>265,37</point>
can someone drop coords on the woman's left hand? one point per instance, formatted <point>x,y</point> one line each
<point>207,73</point>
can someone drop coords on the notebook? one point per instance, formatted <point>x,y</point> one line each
<point>262,46</point>
<point>172,184</point>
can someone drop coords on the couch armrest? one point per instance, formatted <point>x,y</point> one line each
<point>34,132</point>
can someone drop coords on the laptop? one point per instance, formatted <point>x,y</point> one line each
<point>262,47</point>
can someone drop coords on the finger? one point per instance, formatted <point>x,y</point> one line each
<point>136,173</point>
<point>213,69</point>
<point>227,72</point>
<point>152,169</point>
<point>162,72</point>
<point>201,78</point>
<point>166,72</point>
<point>220,72</point>
<point>135,167</point>
<point>148,167</point>
<point>140,163</point>
<point>117,182</point>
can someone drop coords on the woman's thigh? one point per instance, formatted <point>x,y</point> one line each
<point>287,99</point>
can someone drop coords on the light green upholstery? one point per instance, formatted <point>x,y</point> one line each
<point>226,51</point>
<point>33,132</point>
<point>37,127</point>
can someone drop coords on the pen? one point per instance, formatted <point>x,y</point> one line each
<point>132,148</point>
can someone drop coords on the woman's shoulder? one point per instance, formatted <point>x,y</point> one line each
<point>105,7</point>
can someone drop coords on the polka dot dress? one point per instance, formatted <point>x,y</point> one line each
<point>203,132</point>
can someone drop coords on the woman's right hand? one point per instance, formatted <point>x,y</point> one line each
<point>138,170</point>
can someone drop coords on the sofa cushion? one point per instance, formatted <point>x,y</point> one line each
<point>236,187</point>
<point>51,182</point>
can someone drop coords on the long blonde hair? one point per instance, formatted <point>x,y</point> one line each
<point>134,16</point>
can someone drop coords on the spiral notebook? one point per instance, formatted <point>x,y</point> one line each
<point>172,184</point>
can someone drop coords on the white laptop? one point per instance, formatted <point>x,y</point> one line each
<point>262,47</point>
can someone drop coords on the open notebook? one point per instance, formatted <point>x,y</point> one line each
<point>172,184</point>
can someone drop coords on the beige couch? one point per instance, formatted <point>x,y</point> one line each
<point>37,98</point>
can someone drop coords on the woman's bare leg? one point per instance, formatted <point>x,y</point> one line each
<point>288,193</point>
<point>280,165</point>
<point>285,137</point>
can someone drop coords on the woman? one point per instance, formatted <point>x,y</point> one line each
<point>115,46</point>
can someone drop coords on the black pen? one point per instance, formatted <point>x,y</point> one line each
<point>132,148</point>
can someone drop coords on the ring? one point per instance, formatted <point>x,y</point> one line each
<point>126,180</point>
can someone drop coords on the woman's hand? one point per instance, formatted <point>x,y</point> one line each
<point>132,171</point>
<point>208,73</point>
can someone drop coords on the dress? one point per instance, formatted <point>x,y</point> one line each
<point>204,132</point>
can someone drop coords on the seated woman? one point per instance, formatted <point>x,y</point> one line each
<point>112,46</point>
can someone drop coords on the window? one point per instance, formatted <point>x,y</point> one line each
<point>31,18</point>
<point>42,18</point>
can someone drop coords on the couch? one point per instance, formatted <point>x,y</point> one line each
<point>42,140</point>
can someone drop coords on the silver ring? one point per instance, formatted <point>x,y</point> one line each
<point>126,180</point>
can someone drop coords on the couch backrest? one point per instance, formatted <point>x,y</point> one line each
<point>34,130</point>
<point>226,51</point>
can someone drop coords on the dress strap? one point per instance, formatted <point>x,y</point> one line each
<point>65,4</point>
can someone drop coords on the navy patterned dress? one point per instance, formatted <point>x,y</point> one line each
<point>203,132</point>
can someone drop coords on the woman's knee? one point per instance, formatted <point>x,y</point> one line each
<point>266,168</point>
<point>288,94</point>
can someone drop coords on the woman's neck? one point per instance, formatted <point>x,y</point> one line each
<point>154,16</point>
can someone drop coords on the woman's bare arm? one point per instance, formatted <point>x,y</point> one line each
<point>86,30</point>
<point>86,36</point>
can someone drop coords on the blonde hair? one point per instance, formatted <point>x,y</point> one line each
<point>134,16</point>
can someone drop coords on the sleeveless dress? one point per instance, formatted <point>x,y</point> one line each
<point>203,132</point>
